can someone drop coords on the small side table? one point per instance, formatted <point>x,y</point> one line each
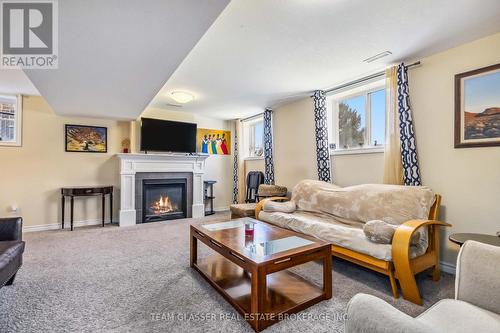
<point>73,192</point>
<point>209,197</point>
<point>461,238</point>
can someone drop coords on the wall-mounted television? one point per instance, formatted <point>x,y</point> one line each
<point>167,136</point>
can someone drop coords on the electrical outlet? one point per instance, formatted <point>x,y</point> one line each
<point>14,209</point>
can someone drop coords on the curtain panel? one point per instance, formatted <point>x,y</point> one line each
<point>268,147</point>
<point>400,153</point>
<point>393,165</point>
<point>321,129</point>
<point>409,156</point>
<point>238,164</point>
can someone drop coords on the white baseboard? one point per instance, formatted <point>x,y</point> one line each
<point>448,268</point>
<point>221,209</point>
<point>55,226</point>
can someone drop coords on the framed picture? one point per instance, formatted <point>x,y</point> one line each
<point>213,142</point>
<point>477,108</point>
<point>86,139</point>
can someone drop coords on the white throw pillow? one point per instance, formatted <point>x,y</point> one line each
<point>282,207</point>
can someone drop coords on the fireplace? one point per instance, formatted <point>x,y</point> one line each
<point>164,199</point>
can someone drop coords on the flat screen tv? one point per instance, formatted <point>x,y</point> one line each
<point>167,136</point>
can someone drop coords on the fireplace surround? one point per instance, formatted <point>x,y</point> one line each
<point>136,167</point>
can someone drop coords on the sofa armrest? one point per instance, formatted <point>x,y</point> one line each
<point>401,243</point>
<point>478,275</point>
<point>260,204</point>
<point>11,228</point>
<point>369,314</point>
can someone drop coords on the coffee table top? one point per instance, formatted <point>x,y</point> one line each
<point>268,243</point>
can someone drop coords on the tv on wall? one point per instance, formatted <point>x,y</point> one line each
<point>167,136</point>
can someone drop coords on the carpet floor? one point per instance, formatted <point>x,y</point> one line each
<point>138,279</point>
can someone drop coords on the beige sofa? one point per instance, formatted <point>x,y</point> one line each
<point>339,215</point>
<point>476,307</point>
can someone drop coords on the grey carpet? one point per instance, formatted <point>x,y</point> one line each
<point>138,279</point>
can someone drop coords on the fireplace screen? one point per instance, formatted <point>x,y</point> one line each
<point>164,199</point>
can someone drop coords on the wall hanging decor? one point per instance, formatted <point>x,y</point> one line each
<point>213,142</point>
<point>477,108</point>
<point>86,139</point>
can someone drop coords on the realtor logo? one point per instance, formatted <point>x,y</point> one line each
<point>29,34</point>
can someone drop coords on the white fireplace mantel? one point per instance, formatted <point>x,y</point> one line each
<point>130,164</point>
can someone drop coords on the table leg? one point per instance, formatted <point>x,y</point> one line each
<point>103,208</point>
<point>71,213</point>
<point>62,210</point>
<point>258,297</point>
<point>193,249</point>
<point>327,274</point>
<point>111,207</point>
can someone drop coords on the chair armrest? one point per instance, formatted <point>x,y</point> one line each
<point>366,313</point>
<point>403,234</point>
<point>478,275</point>
<point>11,228</point>
<point>401,243</point>
<point>260,204</point>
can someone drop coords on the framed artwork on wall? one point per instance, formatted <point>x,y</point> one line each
<point>213,142</point>
<point>86,139</point>
<point>477,108</point>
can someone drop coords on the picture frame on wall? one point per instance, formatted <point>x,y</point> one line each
<point>477,108</point>
<point>86,139</point>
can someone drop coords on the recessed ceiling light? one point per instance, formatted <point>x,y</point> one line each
<point>377,56</point>
<point>182,96</point>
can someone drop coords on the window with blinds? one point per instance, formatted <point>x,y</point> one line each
<point>10,118</point>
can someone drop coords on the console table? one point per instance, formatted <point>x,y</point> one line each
<point>82,191</point>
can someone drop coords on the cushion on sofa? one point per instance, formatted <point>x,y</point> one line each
<point>275,206</point>
<point>243,210</point>
<point>325,227</point>
<point>379,231</point>
<point>363,203</point>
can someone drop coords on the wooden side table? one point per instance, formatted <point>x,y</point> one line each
<point>82,191</point>
<point>461,238</point>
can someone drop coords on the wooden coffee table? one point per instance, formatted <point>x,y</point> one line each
<point>250,271</point>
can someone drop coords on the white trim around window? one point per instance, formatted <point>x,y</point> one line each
<point>333,119</point>
<point>17,101</point>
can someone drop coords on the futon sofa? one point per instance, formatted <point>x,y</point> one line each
<point>476,307</point>
<point>342,216</point>
<point>11,249</point>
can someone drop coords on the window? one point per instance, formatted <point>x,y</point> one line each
<point>358,119</point>
<point>253,131</point>
<point>10,120</point>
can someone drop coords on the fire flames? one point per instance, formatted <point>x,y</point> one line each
<point>163,205</point>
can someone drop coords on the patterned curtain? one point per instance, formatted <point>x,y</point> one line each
<point>268,147</point>
<point>322,152</point>
<point>238,166</point>
<point>411,171</point>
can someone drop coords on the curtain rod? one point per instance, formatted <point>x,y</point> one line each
<point>252,117</point>
<point>366,78</point>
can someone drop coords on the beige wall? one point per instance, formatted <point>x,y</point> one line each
<point>254,165</point>
<point>357,169</point>
<point>468,179</point>
<point>31,176</point>
<point>294,143</point>
<point>218,167</point>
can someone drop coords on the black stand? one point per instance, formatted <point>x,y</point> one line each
<point>209,198</point>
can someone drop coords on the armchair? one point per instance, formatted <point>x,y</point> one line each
<point>11,249</point>
<point>476,307</point>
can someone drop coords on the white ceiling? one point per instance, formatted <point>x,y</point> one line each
<point>14,81</point>
<point>115,55</point>
<point>263,52</point>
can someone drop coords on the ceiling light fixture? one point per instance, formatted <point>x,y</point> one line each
<point>182,96</point>
<point>377,56</point>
